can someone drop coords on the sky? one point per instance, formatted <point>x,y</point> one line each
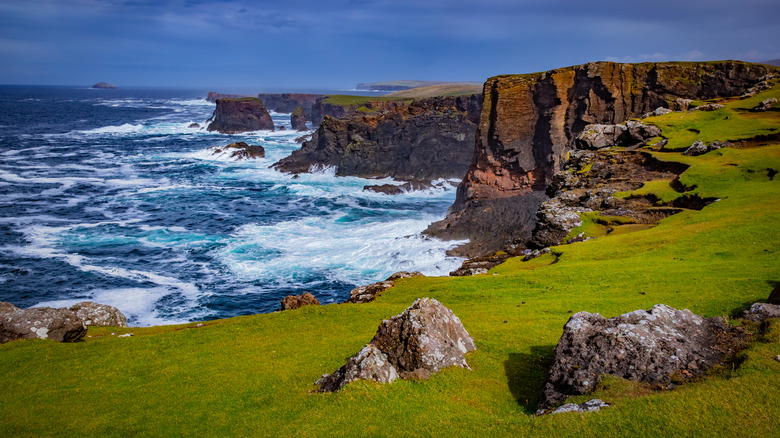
<point>314,44</point>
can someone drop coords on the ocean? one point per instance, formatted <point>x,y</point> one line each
<point>109,196</point>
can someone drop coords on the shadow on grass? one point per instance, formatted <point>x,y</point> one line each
<point>526,372</point>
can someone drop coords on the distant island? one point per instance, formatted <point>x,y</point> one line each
<point>105,85</point>
<point>405,85</point>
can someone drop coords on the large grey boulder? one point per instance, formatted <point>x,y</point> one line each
<point>766,104</point>
<point>630,134</point>
<point>647,346</point>
<point>100,315</point>
<point>60,325</point>
<point>426,338</point>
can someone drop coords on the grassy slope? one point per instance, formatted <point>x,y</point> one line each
<point>438,90</point>
<point>251,375</point>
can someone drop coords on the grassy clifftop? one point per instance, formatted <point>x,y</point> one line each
<point>252,375</point>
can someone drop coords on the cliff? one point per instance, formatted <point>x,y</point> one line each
<point>213,96</point>
<point>240,115</point>
<point>530,121</point>
<point>287,102</point>
<point>426,139</point>
<point>340,106</point>
<point>298,119</point>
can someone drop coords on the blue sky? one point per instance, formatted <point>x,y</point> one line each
<point>300,44</point>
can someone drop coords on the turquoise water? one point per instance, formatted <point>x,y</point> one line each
<point>109,196</point>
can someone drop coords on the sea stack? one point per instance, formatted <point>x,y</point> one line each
<point>244,114</point>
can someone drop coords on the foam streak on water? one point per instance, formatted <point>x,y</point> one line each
<point>112,197</point>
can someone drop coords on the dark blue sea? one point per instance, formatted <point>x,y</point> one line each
<point>109,196</point>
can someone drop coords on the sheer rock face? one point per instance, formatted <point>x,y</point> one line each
<point>644,346</point>
<point>287,102</point>
<point>100,315</point>
<point>426,338</point>
<point>60,325</point>
<point>291,302</point>
<point>298,119</point>
<point>529,121</point>
<point>425,140</point>
<point>245,114</point>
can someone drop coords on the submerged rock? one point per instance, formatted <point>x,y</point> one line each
<point>648,346</point>
<point>60,325</point>
<point>99,315</point>
<point>291,302</point>
<point>426,338</point>
<point>240,151</point>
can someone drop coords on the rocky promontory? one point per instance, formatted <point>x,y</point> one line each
<point>243,114</point>
<point>423,140</point>
<point>530,121</point>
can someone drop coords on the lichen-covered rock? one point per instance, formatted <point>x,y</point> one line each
<point>239,151</point>
<point>427,337</point>
<point>60,325</point>
<point>760,312</point>
<point>629,134</point>
<point>367,293</point>
<point>708,107</point>
<point>766,104</point>
<point>291,302</point>
<point>99,315</point>
<point>244,114</point>
<point>648,346</point>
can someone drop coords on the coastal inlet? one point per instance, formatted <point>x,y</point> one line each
<point>114,196</point>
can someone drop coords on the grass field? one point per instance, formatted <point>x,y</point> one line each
<point>252,376</point>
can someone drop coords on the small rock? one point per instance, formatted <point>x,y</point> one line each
<point>240,151</point>
<point>708,107</point>
<point>194,125</point>
<point>760,312</point>
<point>369,292</point>
<point>291,302</point>
<point>589,406</point>
<point>697,148</point>
<point>126,335</point>
<point>766,104</point>
<point>404,274</point>
<point>777,358</point>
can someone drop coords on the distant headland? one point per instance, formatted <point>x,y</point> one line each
<point>105,85</point>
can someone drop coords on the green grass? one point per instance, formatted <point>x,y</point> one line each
<point>251,376</point>
<point>734,122</point>
<point>345,99</point>
<point>439,90</point>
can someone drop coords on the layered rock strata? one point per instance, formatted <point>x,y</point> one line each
<point>425,140</point>
<point>655,347</point>
<point>233,116</point>
<point>426,338</point>
<point>530,121</point>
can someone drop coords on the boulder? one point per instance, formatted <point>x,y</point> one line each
<point>244,114</point>
<point>240,151</point>
<point>760,312</point>
<point>60,325</point>
<point>298,119</point>
<point>766,104</point>
<point>628,134</point>
<point>367,293</point>
<point>194,125</point>
<point>648,346</point>
<point>99,315</point>
<point>392,189</point>
<point>291,302</point>
<point>426,338</point>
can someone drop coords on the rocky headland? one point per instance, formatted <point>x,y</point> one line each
<point>238,115</point>
<point>529,122</point>
<point>423,140</point>
<point>213,96</point>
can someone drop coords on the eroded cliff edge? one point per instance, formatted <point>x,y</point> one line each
<point>422,140</point>
<point>530,121</point>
